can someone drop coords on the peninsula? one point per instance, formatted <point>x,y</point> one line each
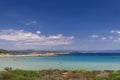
<point>6,53</point>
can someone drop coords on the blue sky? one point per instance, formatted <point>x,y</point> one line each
<point>60,24</point>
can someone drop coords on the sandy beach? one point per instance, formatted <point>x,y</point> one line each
<point>31,54</point>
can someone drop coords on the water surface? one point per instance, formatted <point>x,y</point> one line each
<point>68,61</point>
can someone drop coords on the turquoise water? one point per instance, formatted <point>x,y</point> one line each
<point>71,61</point>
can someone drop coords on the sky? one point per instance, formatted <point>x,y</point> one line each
<point>60,24</point>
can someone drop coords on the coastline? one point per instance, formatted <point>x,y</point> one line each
<point>31,54</point>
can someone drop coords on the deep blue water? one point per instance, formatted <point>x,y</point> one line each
<point>68,61</point>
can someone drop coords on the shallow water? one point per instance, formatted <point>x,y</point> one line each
<point>69,61</point>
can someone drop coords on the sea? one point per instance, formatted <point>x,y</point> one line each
<point>64,62</point>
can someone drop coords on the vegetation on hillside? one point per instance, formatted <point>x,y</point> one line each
<point>9,74</point>
<point>2,51</point>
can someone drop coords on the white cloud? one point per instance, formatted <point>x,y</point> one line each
<point>94,36</point>
<point>103,38</point>
<point>31,23</point>
<point>118,32</point>
<point>116,35</point>
<point>110,37</point>
<point>59,36</point>
<point>71,37</point>
<point>115,31</point>
<point>38,32</point>
<point>113,36</point>
<point>21,37</point>
<point>112,31</point>
<point>117,40</point>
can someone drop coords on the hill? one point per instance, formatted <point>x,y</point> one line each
<point>2,51</point>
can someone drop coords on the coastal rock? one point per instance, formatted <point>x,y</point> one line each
<point>67,75</point>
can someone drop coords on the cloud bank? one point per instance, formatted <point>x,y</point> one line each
<point>23,38</point>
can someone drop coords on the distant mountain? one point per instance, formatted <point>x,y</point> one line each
<point>102,51</point>
<point>70,51</point>
<point>109,51</point>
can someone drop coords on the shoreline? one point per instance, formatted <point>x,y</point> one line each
<point>33,54</point>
